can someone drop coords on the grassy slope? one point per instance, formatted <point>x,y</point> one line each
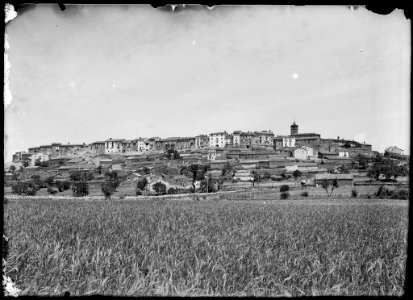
<point>357,247</point>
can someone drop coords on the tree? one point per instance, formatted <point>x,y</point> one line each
<point>284,174</point>
<point>12,169</point>
<point>255,177</point>
<point>172,191</point>
<point>362,160</point>
<point>107,189</point>
<point>159,188</point>
<point>80,188</point>
<point>297,174</point>
<point>208,183</point>
<point>142,183</point>
<point>49,180</point>
<point>194,170</point>
<point>326,184</point>
<point>25,188</point>
<point>112,176</point>
<point>99,169</point>
<point>227,169</point>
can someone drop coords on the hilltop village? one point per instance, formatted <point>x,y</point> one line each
<point>237,159</point>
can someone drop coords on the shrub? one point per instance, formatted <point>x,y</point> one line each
<point>38,181</point>
<point>354,193</point>
<point>284,188</point>
<point>171,191</point>
<point>142,183</point>
<point>107,189</point>
<point>304,194</point>
<point>159,188</point>
<point>122,196</point>
<point>138,192</point>
<point>51,190</point>
<point>285,195</point>
<point>80,189</point>
<point>25,188</point>
<point>368,196</point>
<point>49,180</point>
<point>297,174</point>
<point>62,185</point>
<point>403,194</point>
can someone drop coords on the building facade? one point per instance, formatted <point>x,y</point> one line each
<point>113,146</point>
<point>217,139</point>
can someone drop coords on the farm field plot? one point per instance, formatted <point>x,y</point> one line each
<point>193,248</point>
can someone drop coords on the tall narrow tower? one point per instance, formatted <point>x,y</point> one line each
<point>294,128</point>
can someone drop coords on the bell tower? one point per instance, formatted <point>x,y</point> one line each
<point>294,128</point>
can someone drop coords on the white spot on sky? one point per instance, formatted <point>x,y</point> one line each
<point>193,42</point>
<point>114,85</point>
<point>295,76</point>
<point>72,84</point>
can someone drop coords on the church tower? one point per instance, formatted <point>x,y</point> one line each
<point>294,129</point>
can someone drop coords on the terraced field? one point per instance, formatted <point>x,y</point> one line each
<point>192,248</point>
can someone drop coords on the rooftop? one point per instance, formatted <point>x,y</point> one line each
<point>333,176</point>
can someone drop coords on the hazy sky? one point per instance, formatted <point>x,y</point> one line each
<point>120,71</point>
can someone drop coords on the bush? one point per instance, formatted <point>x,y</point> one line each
<point>284,188</point>
<point>354,193</point>
<point>138,192</point>
<point>25,188</point>
<point>171,191</point>
<point>403,194</point>
<point>285,195</point>
<point>107,189</point>
<point>62,185</point>
<point>51,190</point>
<point>80,189</point>
<point>304,194</point>
<point>142,184</point>
<point>49,180</point>
<point>159,188</point>
<point>38,181</point>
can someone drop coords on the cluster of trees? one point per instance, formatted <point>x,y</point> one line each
<point>388,168</point>
<point>112,181</point>
<point>81,176</point>
<point>172,154</point>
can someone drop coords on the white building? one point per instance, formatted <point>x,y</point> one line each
<point>288,141</point>
<point>343,154</point>
<point>113,145</point>
<point>236,139</point>
<point>303,152</point>
<point>395,150</point>
<point>141,145</point>
<point>217,139</point>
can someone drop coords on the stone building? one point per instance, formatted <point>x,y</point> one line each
<point>97,147</point>
<point>248,139</point>
<point>303,152</point>
<point>114,145</point>
<point>236,138</point>
<point>201,141</point>
<point>217,139</point>
<point>265,138</point>
<point>394,150</point>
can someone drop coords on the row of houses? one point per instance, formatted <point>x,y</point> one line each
<point>298,145</point>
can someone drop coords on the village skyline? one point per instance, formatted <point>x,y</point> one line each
<point>87,76</point>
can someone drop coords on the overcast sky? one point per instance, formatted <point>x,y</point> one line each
<point>94,72</point>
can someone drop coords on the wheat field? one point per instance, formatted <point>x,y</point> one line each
<point>216,248</point>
